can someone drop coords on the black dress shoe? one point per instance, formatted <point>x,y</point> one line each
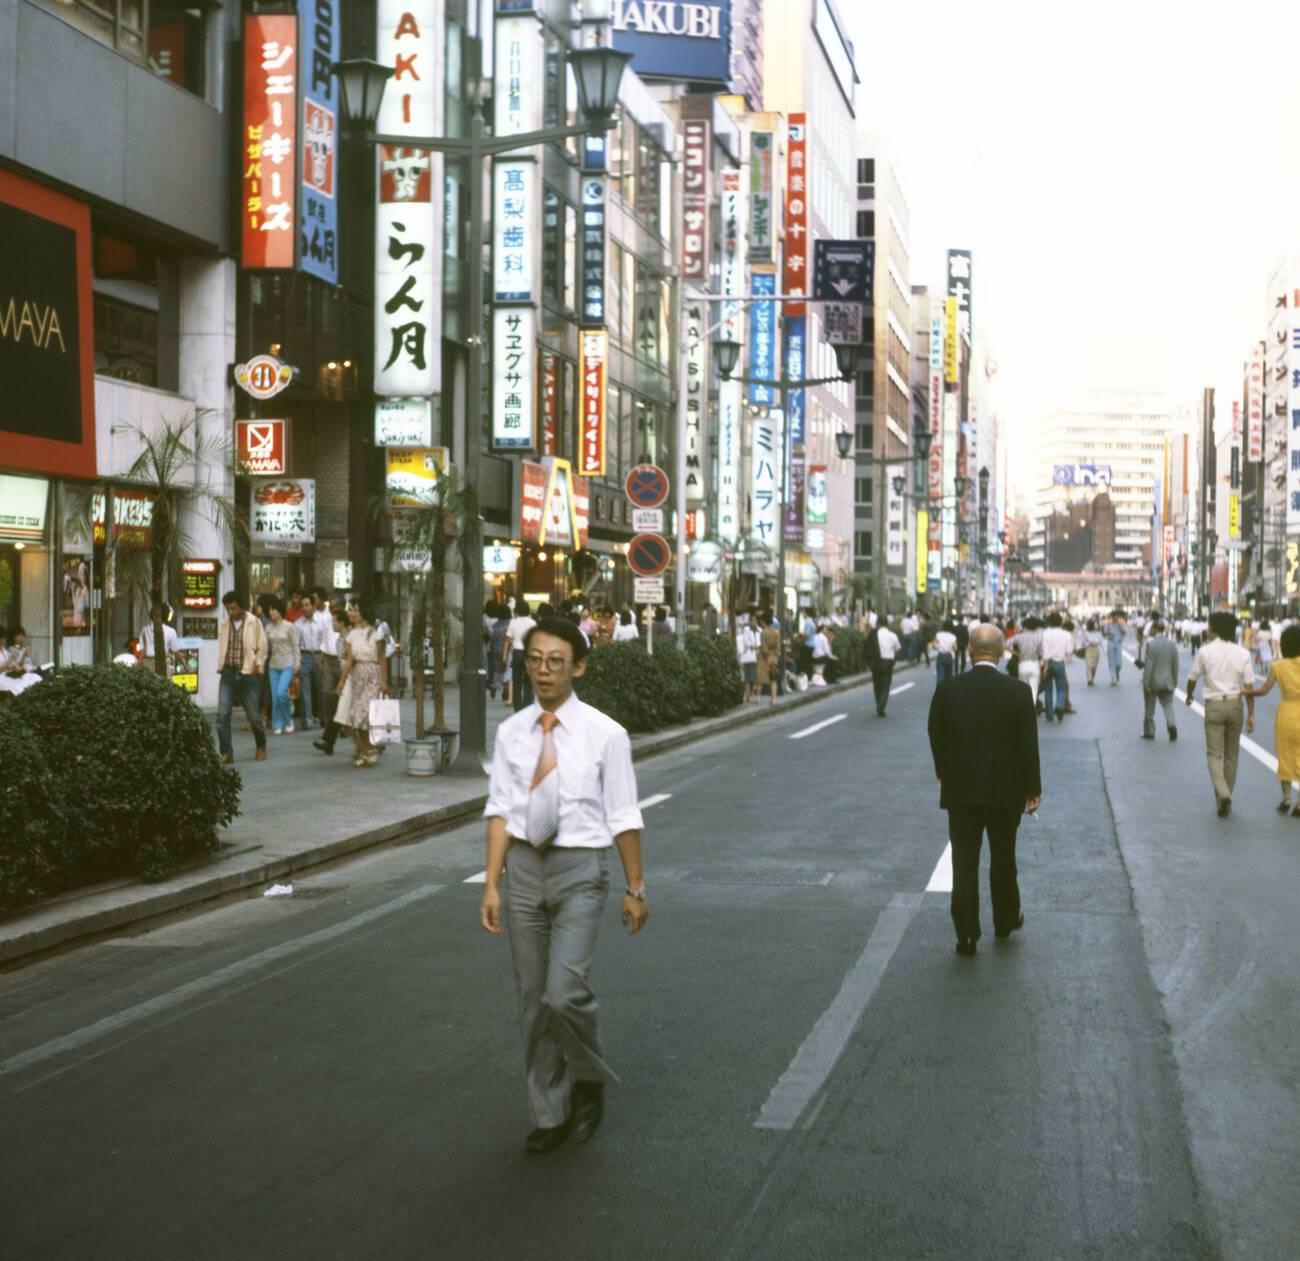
<point>1173,735</point>
<point>588,1109</point>
<point>1225,807</point>
<point>966,946</point>
<point>1148,735</point>
<point>541,1141</point>
<point>1015,928</point>
<point>323,747</point>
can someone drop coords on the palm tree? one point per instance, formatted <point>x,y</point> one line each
<point>175,464</point>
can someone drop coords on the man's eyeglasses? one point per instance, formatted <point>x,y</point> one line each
<point>553,664</point>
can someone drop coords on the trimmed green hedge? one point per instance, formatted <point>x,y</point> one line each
<point>108,771</point>
<point>644,692</point>
<point>850,648</point>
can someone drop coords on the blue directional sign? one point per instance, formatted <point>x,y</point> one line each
<point>842,270</point>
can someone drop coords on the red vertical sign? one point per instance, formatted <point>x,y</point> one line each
<point>591,426</point>
<point>269,159</point>
<point>797,249</point>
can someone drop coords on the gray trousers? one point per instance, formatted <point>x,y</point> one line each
<point>554,901</point>
<point>1223,722</point>
<point>1166,699</point>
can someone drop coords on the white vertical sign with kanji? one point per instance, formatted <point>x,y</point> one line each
<point>1293,411</point>
<point>765,479</point>
<point>408,221</point>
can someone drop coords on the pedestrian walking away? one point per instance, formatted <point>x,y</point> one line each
<point>945,652</point>
<point>1159,679</point>
<point>1028,645</point>
<point>1114,636</point>
<point>562,791</point>
<point>1225,666</point>
<point>881,661</point>
<point>768,671</point>
<point>1092,648</point>
<point>962,633</point>
<point>1285,673</point>
<point>242,653</point>
<point>984,741</point>
<point>1058,644</point>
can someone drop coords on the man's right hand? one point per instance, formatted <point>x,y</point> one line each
<point>1032,804</point>
<point>490,911</point>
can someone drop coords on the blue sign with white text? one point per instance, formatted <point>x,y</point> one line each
<point>676,39</point>
<point>762,339</point>
<point>795,334</point>
<point>318,208</point>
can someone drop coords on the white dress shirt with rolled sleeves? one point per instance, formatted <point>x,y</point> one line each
<point>598,796</point>
<point>1226,669</point>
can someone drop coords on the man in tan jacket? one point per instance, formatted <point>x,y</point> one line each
<point>241,659</point>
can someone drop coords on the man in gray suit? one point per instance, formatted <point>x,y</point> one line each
<point>1159,678</point>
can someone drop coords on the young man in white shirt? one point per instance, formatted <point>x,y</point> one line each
<point>1225,666</point>
<point>882,663</point>
<point>562,791</point>
<point>1058,644</point>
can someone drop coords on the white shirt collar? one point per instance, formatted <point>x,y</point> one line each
<point>565,714</point>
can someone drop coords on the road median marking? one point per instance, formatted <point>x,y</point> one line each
<point>818,726</point>
<point>941,877</point>
<point>902,687</point>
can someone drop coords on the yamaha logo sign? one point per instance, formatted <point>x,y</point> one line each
<point>676,39</point>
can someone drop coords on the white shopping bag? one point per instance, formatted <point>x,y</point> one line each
<point>385,721</point>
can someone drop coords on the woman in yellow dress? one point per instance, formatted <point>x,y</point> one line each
<point>1285,672</point>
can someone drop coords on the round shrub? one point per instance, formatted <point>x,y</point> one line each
<point>622,681</point>
<point>850,649</point>
<point>136,768</point>
<point>679,682</point>
<point>34,834</point>
<point>721,686</point>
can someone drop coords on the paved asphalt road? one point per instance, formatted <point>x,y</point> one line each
<point>809,1070</point>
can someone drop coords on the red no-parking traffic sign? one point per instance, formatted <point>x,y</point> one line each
<point>646,486</point>
<point>649,554</point>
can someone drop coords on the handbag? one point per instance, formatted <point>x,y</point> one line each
<point>385,720</point>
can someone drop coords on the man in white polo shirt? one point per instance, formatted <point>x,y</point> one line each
<point>1225,666</point>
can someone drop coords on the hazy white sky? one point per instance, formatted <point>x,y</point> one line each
<point>1126,173</point>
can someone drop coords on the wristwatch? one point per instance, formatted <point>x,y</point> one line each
<point>638,892</point>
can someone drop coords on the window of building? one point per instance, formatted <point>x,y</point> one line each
<point>866,224</point>
<point>864,435</point>
<point>862,490</point>
<point>862,544</point>
<point>866,170</point>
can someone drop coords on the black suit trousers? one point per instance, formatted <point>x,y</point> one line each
<point>966,828</point>
<point>882,675</point>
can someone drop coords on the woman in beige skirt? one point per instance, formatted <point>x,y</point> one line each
<point>364,677</point>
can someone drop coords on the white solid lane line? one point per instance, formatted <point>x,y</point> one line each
<point>818,726</point>
<point>657,800</point>
<point>941,879</point>
<point>902,687</point>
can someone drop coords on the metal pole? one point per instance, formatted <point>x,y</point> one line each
<point>473,694</point>
<point>679,443</point>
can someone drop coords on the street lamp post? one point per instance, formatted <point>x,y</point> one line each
<point>598,72</point>
<point>847,358</point>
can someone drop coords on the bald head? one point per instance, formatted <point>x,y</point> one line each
<point>986,643</point>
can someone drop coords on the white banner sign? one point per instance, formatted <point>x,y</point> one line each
<point>514,376</point>
<point>895,526</point>
<point>404,422</point>
<point>283,511</point>
<point>648,590</point>
<point>516,209</point>
<point>730,399</point>
<point>648,520</point>
<point>1293,412</point>
<point>697,403</point>
<point>765,479</point>
<point>732,220</point>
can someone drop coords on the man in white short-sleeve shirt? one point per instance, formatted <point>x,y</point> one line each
<point>562,793</point>
<point>1225,666</point>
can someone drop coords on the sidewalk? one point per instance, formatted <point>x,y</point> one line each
<point>300,808</point>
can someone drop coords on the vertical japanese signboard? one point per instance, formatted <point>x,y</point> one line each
<point>795,359</point>
<point>550,439</point>
<point>1255,406</point>
<point>1293,411</point>
<point>935,470</point>
<point>591,424</point>
<point>765,479</point>
<point>959,287</point>
<point>794,499</point>
<point>795,277</point>
<point>730,399</point>
<point>818,506</point>
<point>593,250</point>
<point>696,145</point>
<point>697,401</point>
<point>762,175</point>
<point>895,528</point>
<point>733,254</point>
<point>514,244</point>
<point>762,338</point>
<point>514,376</point>
<point>951,354</point>
<point>922,544</point>
<point>408,240</point>
<point>318,218</point>
<point>270,151</point>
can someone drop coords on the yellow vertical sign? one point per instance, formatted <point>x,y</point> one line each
<point>922,551</point>
<point>1234,516</point>
<point>950,355</point>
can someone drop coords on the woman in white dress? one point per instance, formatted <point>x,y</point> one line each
<point>364,677</point>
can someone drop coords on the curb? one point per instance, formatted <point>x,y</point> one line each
<point>151,906</point>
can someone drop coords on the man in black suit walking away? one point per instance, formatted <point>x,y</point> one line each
<point>984,738</point>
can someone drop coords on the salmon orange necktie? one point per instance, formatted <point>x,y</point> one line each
<point>544,795</point>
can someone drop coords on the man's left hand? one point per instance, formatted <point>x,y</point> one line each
<point>1250,723</point>
<point>635,913</point>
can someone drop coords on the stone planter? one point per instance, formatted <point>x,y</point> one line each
<point>424,756</point>
<point>450,742</point>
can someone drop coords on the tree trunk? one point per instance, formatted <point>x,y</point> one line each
<point>157,568</point>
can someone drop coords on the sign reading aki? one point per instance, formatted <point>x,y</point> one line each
<point>260,446</point>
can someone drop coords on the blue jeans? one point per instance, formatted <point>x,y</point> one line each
<point>1054,688</point>
<point>307,687</point>
<point>247,688</point>
<point>942,666</point>
<point>1114,657</point>
<point>281,705</point>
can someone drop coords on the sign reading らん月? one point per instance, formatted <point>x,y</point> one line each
<point>47,413</point>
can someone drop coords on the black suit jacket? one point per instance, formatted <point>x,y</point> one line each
<point>984,738</point>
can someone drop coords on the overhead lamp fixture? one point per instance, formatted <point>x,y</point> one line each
<point>844,443</point>
<point>598,73</point>
<point>727,353</point>
<point>362,81</point>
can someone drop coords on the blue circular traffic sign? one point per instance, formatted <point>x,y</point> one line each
<point>646,486</point>
<point>649,554</point>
